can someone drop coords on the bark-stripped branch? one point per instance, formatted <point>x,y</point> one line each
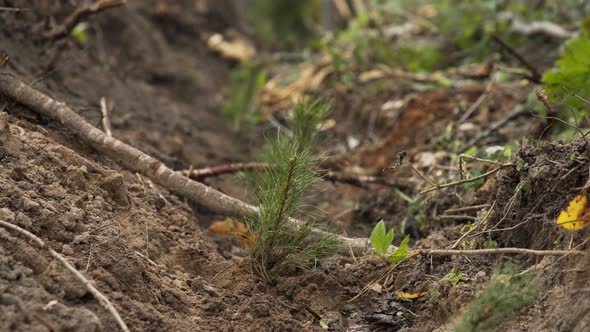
<point>137,161</point>
<point>101,298</point>
<point>79,14</point>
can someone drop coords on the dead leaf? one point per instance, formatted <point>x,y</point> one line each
<point>375,287</point>
<point>237,50</point>
<point>232,227</point>
<point>409,296</point>
<point>576,216</point>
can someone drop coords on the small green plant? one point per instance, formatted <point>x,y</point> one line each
<point>453,277</point>
<point>279,192</point>
<point>503,297</point>
<point>381,239</point>
<point>240,109</point>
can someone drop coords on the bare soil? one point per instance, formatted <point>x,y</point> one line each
<point>145,248</point>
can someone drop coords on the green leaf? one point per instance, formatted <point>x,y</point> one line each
<point>79,33</point>
<point>324,325</point>
<point>381,239</point>
<point>401,253</point>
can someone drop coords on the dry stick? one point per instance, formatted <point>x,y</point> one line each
<point>479,252</point>
<point>460,182</point>
<point>106,122</point>
<point>137,161</point>
<point>80,14</point>
<point>536,76</point>
<point>101,298</point>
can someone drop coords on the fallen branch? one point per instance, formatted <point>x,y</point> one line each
<point>137,161</point>
<point>496,251</point>
<point>101,298</point>
<point>540,28</point>
<point>79,14</point>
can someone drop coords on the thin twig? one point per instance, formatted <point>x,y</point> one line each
<point>101,298</point>
<point>468,208</point>
<point>460,182</point>
<point>536,76</point>
<point>496,251</point>
<point>79,14</point>
<point>456,217</point>
<point>106,122</point>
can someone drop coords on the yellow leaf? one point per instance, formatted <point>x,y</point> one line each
<point>575,217</point>
<point>409,296</point>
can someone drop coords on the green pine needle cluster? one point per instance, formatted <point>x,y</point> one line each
<point>501,300</point>
<point>280,192</point>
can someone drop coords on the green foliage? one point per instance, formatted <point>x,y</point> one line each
<point>240,109</point>
<point>381,239</point>
<point>285,23</point>
<point>571,74</point>
<point>280,191</point>
<point>453,277</point>
<point>401,252</point>
<point>501,300</point>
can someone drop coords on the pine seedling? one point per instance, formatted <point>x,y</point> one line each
<point>280,191</point>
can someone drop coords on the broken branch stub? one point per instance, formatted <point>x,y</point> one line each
<point>137,161</point>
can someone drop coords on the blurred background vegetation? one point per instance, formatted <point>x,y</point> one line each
<point>422,37</point>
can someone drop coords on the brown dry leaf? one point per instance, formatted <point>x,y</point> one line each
<point>409,296</point>
<point>278,95</point>
<point>237,50</point>
<point>576,216</point>
<point>232,227</point>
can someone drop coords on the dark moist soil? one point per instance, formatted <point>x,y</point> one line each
<point>145,248</point>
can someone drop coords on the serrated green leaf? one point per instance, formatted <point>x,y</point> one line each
<point>381,239</point>
<point>401,253</point>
